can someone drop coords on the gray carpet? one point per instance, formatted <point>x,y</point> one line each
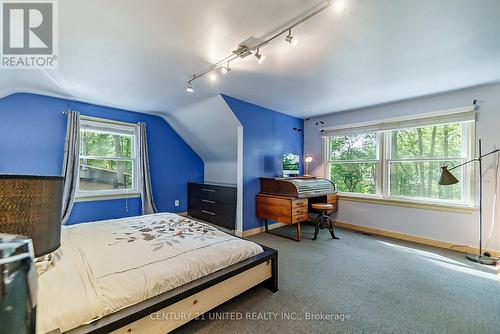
<point>378,285</point>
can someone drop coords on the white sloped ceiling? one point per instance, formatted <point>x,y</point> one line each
<point>211,129</point>
<point>138,54</point>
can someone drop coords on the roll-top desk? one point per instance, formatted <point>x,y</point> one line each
<point>288,200</point>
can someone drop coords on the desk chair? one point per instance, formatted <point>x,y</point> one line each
<point>323,216</point>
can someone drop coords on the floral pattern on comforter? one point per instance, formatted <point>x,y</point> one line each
<point>164,232</point>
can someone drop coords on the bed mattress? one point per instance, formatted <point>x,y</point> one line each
<point>109,265</point>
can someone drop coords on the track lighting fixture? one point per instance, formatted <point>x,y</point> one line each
<point>291,39</point>
<point>260,58</point>
<point>243,51</point>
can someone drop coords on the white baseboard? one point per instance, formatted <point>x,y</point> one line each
<point>415,239</point>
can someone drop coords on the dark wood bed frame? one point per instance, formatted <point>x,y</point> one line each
<point>120,321</point>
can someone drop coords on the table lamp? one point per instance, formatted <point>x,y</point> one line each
<point>307,160</point>
<point>31,206</point>
<point>448,179</point>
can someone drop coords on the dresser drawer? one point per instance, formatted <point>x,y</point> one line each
<point>212,193</point>
<point>228,222</point>
<point>223,209</point>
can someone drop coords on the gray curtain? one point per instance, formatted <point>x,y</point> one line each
<point>148,204</point>
<point>71,163</point>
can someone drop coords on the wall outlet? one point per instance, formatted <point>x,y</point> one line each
<point>177,202</point>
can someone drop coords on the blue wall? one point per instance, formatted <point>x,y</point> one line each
<point>267,134</point>
<point>32,132</point>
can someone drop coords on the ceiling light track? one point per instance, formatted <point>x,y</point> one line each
<point>243,51</point>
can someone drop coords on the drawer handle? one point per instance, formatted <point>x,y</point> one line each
<point>208,201</point>
<point>209,190</point>
<point>208,212</point>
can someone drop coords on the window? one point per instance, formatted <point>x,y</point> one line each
<point>415,157</point>
<point>401,163</point>
<point>108,158</point>
<point>354,163</point>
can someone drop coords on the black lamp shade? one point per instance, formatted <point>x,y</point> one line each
<point>447,178</point>
<point>31,206</point>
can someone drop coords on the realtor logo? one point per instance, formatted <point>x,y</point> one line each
<point>28,34</point>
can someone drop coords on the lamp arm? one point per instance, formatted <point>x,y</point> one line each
<point>476,159</point>
<point>462,164</point>
<point>494,151</point>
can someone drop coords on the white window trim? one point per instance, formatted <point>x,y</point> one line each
<point>382,193</point>
<point>120,128</point>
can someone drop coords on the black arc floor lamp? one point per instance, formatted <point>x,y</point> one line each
<point>447,179</point>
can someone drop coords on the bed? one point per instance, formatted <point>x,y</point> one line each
<point>149,274</point>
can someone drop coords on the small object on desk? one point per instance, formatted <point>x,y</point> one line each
<point>307,160</point>
<point>288,200</point>
<point>290,165</point>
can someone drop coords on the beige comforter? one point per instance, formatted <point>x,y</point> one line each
<point>108,265</point>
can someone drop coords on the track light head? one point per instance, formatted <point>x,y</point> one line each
<point>189,88</point>
<point>260,58</point>
<point>291,39</point>
<point>225,69</point>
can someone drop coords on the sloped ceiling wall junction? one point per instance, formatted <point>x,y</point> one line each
<point>211,129</point>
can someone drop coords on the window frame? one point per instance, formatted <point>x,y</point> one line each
<point>111,127</point>
<point>383,172</point>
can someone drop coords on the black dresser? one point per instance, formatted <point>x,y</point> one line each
<point>213,203</point>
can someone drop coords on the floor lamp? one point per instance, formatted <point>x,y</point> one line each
<point>447,179</point>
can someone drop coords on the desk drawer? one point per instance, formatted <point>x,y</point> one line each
<point>300,210</point>
<point>300,218</point>
<point>332,198</point>
<point>299,203</point>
